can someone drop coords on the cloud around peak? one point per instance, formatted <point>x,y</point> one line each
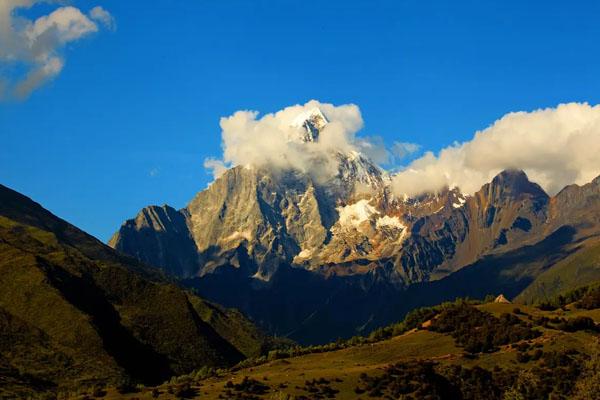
<point>274,140</point>
<point>32,51</point>
<point>554,146</point>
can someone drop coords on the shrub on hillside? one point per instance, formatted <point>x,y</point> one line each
<point>247,389</point>
<point>584,297</point>
<point>591,300</point>
<point>479,331</point>
<point>577,324</point>
<point>126,387</point>
<point>553,377</point>
<point>417,379</point>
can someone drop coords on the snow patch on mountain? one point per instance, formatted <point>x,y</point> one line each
<point>392,227</point>
<point>387,221</point>
<point>237,235</point>
<point>461,202</point>
<point>314,114</point>
<point>360,173</point>
<point>354,214</point>
<point>313,121</point>
<point>304,255</point>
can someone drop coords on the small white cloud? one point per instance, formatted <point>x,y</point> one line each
<point>37,45</point>
<point>217,167</point>
<point>374,148</point>
<point>62,25</point>
<point>404,149</point>
<point>104,17</point>
<point>154,172</point>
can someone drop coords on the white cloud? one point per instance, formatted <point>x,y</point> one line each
<point>37,45</point>
<point>64,24</point>
<point>404,149</point>
<point>374,148</point>
<point>101,15</point>
<point>154,172</point>
<point>217,167</point>
<point>554,146</point>
<point>36,77</point>
<point>272,140</point>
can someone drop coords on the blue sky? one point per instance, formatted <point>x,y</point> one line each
<point>133,114</point>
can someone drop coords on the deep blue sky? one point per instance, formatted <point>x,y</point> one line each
<point>149,96</point>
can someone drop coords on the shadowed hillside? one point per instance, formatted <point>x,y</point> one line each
<point>75,313</point>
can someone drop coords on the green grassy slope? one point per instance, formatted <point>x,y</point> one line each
<point>578,269</point>
<point>554,361</point>
<point>73,313</point>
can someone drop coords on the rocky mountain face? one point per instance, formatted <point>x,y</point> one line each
<point>577,205</point>
<point>502,215</point>
<point>73,312</point>
<point>272,217</point>
<point>256,227</point>
<point>159,236</point>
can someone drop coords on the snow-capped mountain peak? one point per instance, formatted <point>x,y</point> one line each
<point>354,168</point>
<point>313,121</point>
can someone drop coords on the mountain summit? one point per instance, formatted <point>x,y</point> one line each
<point>311,123</point>
<point>269,218</point>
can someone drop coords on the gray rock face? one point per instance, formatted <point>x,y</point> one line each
<point>255,220</point>
<point>271,217</point>
<point>577,204</point>
<point>159,236</point>
<point>504,214</point>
